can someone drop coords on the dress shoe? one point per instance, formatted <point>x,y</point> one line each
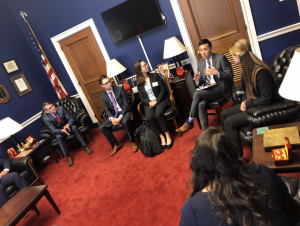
<point>135,148</point>
<point>88,150</point>
<point>184,128</point>
<point>164,146</point>
<point>70,161</point>
<point>171,144</point>
<point>116,149</point>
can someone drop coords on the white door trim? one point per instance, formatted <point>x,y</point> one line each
<point>55,40</point>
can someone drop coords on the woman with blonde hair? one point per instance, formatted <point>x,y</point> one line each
<point>258,82</point>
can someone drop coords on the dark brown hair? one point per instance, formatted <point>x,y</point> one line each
<point>232,186</point>
<point>101,78</point>
<point>140,79</point>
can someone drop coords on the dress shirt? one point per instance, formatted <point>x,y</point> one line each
<point>212,81</point>
<point>118,106</point>
<point>149,91</point>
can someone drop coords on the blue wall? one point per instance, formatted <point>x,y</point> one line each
<point>270,15</point>
<point>14,45</point>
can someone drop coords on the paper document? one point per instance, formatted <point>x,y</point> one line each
<point>205,87</point>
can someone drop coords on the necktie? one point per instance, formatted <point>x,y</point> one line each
<point>58,119</point>
<point>114,103</point>
<point>207,81</point>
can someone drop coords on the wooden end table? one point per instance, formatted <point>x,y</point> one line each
<point>260,156</point>
<point>16,208</point>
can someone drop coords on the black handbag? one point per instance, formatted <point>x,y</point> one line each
<point>147,141</point>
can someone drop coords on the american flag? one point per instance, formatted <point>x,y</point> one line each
<point>57,85</point>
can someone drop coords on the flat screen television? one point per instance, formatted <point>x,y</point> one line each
<point>132,18</point>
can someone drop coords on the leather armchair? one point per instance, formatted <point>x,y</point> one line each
<point>23,167</point>
<point>293,185</point>
<point>73,106</point>
<point>281,111</point>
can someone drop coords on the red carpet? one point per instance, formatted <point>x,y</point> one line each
<point>126,189</point>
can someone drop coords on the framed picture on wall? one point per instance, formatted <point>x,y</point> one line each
<point>163,69</point>
<point>21,85</point>
<point>10,66</point>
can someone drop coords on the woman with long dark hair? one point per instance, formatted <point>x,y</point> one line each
<point>227,192</point>
<point>154,96</point>
<point>258,82</point>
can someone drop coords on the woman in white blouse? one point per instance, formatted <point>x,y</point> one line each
<point>155,98</point>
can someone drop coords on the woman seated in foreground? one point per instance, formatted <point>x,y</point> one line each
<point>226,191</point>
<point>258,82</point>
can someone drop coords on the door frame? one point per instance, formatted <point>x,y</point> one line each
<point>55,40</point>
<point>186,36</point>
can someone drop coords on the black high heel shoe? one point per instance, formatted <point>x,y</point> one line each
<point>171,144</point>
<point>164,146</point>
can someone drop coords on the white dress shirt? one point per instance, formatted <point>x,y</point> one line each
<point>149,90</point>
<point>212,80</point>
<point>118,106</point>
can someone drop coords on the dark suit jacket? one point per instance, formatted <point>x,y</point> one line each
<point>159,91</point>
<point>122,99</point>
<point>53,124</point>
<point>225,82</point>
<point>4,164</point>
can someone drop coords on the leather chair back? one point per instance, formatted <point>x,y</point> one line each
<point>282,61</point>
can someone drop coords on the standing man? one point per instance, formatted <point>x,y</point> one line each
<point>213,70</point>
<point>61,124</point>
<point>117,110</point>
<point>7,179</point>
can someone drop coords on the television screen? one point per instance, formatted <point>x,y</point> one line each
<point>132,18</point>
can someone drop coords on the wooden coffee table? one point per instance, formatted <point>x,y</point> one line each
<point>16,208</point>
<point>260,156</point>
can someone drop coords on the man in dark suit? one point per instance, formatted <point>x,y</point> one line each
<point>7,179</point>
<point>117,110</point>
<point>215,71</point>
<point>61,124</point>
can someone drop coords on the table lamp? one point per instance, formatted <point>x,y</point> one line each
<point>114,68</point>
<point>173,47</point>
<point>9,127</point>
<point>289,88</point>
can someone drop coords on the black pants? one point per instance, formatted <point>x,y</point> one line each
<point>8,180</point>
<point>105,128</point>
<point>201,99</point>
<point>62,143</point>
<point>232,120</point>
<point>156,116</point>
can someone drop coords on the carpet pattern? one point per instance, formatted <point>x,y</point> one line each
<point>125,189</point>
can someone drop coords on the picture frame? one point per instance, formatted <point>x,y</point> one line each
<point>164,66</point>
<point>29,138</point>
<point>21,84</point>
<point>10,66</point>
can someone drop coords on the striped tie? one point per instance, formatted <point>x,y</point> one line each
<point>207,81</point>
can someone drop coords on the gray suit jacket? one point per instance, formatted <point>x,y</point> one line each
<point>225,82</point>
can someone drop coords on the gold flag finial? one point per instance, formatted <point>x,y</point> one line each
<point>23,14</point>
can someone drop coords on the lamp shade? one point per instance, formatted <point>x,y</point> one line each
<point>290,86</point>
<point>9,127</point>
<point>173,47</point>
<point>114,68</point>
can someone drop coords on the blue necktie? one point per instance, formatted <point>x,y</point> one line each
<point>208,77</point>
<point>114,103</point>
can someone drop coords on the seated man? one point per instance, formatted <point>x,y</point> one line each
<point>61,123</point>
<point>213,69</point>
<point>7,179</point>
<point>117,110</point>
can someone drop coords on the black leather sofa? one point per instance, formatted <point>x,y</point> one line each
<point>281,111</point>
<point>21,166</point>
<point>73,106</point>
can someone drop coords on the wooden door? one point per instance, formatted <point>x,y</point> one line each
<point>87,62</point>
<point>220,21</point>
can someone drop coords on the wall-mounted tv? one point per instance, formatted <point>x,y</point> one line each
<point>132,18</point>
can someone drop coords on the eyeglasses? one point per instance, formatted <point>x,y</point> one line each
<point>49,108</point>
<point>106,83</point>
<point>145,65</point>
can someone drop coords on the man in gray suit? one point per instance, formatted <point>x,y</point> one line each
<point>214,71</point>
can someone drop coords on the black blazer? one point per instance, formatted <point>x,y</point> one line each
<point>225,82</point>
<point>121,98</point>
<point>4,164</point>
<point>159,91</point>
<point>53,124</point>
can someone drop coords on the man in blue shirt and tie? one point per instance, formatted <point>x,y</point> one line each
<point>117,110</point>
<point>61,124</point>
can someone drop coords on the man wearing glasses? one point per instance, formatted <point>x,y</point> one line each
<point>117,110</point>
<point>61,124</point>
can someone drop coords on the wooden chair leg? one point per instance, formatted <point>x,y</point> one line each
<point>35,172</point>
<point>59,153</point>
<point>88,138</point>
<point>51,152</point>
<point>198,121</point>
<point>176,126</point>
